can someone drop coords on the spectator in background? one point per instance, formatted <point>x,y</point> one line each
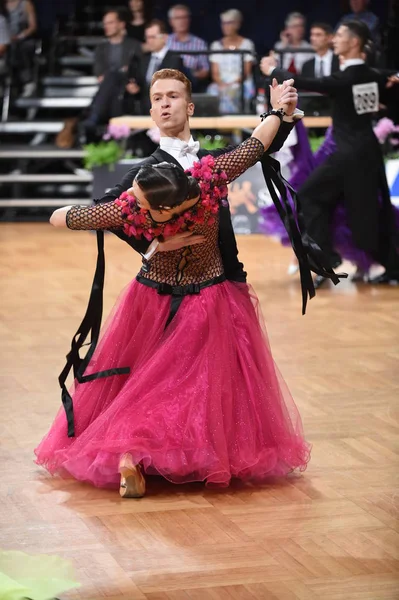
<point>5,37</point>
<point>22,22</point>
<point>111,62</point>
<point>140,16</point>
<point>159,57</point>
<point>325,61</point>
<point>226,69</point>
<point>360,13</point>
<point>196,66</point>
<point>293,37</point>
<point>115,53</point>
<point>323,64</point>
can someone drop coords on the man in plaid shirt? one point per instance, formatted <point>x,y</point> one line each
<point>181,39</point>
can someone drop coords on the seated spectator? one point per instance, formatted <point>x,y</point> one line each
<point>140,13</point>
<point>196,65</point>
<point>111,62</point>
<point>226,69</point>
<point>325,61</point>
<point>293,37</point>
<point>139,75</point>
<point>115,53</point>
<point>5,38</point>
<point>22,20</point>
<point>360,13</point>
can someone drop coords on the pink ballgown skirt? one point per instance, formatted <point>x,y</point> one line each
<point>204,400</point>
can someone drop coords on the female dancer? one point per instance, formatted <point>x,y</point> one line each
<point>203,400</point>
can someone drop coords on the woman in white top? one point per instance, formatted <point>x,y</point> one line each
<point>226,68</point>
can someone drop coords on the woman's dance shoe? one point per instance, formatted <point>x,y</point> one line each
<point>132,483</point>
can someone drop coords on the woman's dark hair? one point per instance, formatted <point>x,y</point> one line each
<point>359,30</point>
<point>148,10</point>
<point>166,185</point>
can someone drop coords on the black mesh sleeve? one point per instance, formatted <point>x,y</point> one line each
<point>237,161</point>
<point>102,216</point>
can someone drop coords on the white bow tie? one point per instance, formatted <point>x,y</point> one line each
<point>191,148</point>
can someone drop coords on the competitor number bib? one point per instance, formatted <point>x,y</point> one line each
<point>365,97</point>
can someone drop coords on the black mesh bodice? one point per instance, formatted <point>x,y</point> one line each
<point>192,264</point>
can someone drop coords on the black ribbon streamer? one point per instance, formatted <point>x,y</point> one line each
<point>91,324</point>
<point>309,254</point>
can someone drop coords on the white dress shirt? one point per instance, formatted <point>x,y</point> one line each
<point>174,146</point>
<point>326,61</point>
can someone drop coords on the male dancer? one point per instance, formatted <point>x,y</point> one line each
<point>356,170</point>
<point>170,95</point>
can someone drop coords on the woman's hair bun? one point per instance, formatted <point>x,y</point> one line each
<point>166,185</point>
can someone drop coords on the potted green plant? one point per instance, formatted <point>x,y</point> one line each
<point>109,150</point>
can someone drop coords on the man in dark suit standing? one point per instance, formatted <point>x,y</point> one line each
<point>323,64</point>
<point>141,72</point>
<point>325,61</point>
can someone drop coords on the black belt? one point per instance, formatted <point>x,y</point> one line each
<point>178,292</point>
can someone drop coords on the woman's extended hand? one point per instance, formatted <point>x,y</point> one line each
<point>180,240</point>
<point>58,218</point>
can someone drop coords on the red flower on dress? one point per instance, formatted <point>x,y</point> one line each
<point>213,195</point>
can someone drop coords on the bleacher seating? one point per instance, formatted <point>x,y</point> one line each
<point>34,175</point>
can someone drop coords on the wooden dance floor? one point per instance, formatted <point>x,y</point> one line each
<point>331,533</point>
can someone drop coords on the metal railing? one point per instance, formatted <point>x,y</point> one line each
<point>242,53</point>
<point>10,77</point>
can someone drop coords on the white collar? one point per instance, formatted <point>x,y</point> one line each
<point>172,143</point>
<point>161,54</point>
<point>325,56</point>
<point>351,62</point>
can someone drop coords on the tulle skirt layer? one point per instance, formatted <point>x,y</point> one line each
<point>203,401</point>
